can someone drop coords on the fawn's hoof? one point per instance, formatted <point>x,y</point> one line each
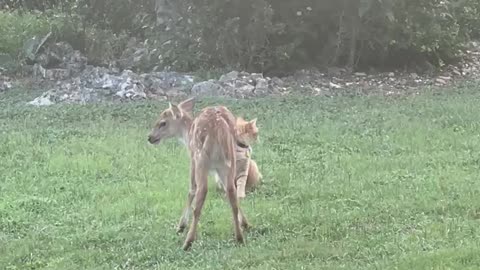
<point>244,222</point>
<point>240,239</point>
<point>245,225</point>
<point>189,240</point>
<point>187,245</point>
<point>181,228</point>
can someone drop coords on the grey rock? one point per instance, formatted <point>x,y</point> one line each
<point>41,101</point>
<point>57,74</point>
<point>277,81</point>
<point>334,86</point>
<point>261,88</point>
<point>94,82</point>
<point>166,80</point>
<point>39,71</point>
<point>445,78</point>
<point>231,76</point>
<point>255,76</point>
<point>244,90</point>
<point>176,94</point>
<point>5,84</point>
<point>130,86</point>
<point>208,88</point>
<point>457,72</point>
<point>440,81</point>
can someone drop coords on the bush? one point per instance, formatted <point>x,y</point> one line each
<point>254,35</point>
<point>266,35</point>
<point>425,30</point>
<point>16,28</point>
<point>468,17</point>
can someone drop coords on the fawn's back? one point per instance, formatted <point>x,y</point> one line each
<point>212,137</point>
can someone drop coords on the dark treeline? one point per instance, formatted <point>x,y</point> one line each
<point>257,35</point>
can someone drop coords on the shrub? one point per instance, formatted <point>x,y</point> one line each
<point>16,28</point>
<point>254,35</point>
<point>264,35</point>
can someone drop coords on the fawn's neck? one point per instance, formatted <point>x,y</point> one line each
<point>187,124</point>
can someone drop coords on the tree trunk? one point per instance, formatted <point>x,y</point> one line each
<point>354,29</point>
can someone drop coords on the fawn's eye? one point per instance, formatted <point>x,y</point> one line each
<point>162,124</point>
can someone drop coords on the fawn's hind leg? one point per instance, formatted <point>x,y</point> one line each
<point>227,176</point>
<point>201,180</point>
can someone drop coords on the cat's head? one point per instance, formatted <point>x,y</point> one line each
<point>247,131</point>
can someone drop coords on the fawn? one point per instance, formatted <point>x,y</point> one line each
<point>210,138</point>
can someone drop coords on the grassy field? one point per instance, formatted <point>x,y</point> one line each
<point>350,183</point>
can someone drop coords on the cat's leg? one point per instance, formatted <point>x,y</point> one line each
<point>241,181</point>
<point>254,175</point>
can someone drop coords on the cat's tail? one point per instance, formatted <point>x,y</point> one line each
<point>254,175</point>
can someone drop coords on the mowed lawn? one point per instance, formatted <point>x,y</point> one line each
<point>349,183</point>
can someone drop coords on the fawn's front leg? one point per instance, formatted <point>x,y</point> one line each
<point>182,224</point>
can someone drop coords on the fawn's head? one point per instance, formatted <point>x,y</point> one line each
<point>247,131</point>
<point>172,122</point>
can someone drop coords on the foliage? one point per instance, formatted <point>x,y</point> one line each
<point>467,12</point>
<point>16,28</point>
<point>259,35</point>
<point>264,35</point>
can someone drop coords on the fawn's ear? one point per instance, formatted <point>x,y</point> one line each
<point>177,113</point>
<point>253,122</point>
<point>187,105</point>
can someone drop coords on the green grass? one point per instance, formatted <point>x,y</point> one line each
<point>350,183</point>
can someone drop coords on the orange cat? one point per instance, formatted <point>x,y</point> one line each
<point>247,174</point>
